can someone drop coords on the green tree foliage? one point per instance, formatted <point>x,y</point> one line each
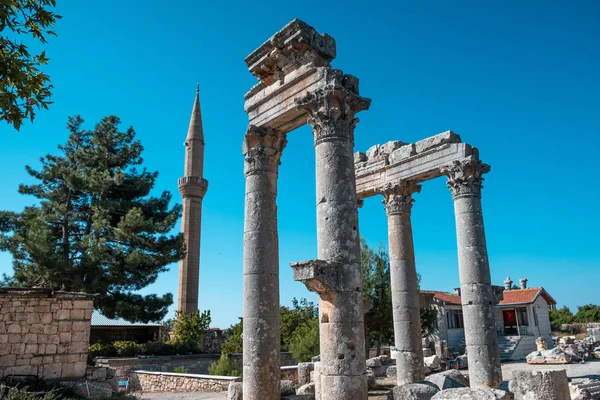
<point>23,87</point>
<point>301,313</point>
<point>561,316</point>
<point>428,320</point>
<point>234,344</point>
<point>304,343</point>
<point>224,367</point>
<point>190,328</point>
<point>95,229</point>
<point>588,313</point>
<point>180,370</point>
<point>377,293</point>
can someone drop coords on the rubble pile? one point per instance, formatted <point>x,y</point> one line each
<point>568,350</point>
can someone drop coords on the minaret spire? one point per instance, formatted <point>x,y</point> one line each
<point>192,187</point>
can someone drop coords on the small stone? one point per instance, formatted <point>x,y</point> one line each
<point>391,371</point>
<point>308,388</point>
<point>451,379</point>
<point>413,391</point>
<point>432,362</point>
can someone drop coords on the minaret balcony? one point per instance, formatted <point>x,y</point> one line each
<point>192,186</point>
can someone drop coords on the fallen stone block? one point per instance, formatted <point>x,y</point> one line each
<point>433,362</point>
<point>304,370</point>
<point>413,391</point>
<point>287,388</point>
<point>540,385</point>
<point>309,388</point>
<point>373,362</point>
<point>473,394</point>
<point>391,371</point>
<point>451,379</point>
<point>552,356</point>
<point>234,392</point>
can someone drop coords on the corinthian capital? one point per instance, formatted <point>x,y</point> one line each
<point>332,108</point>
<point>397,198</point>
<point>262,148</point>
<point>465,177</point>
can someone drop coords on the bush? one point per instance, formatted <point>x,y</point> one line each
<point>223,367</point>
<point>180,370</point>
<point>235,343</point>
<point>189,328</point>
<point>131,349</point>
<point>304,343</point>
<point>560,317</point>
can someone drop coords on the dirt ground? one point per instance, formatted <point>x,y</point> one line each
<point>590,369</point>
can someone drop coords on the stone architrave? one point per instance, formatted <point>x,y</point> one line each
<point>408,349</point>
<point>192,188</point>
<point>465,182</point>
<point>331,111</point>
<point>262,149</point>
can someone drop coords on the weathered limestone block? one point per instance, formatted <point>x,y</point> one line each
<point>402,153</point>
<point>308,388</point>
<point>234,392</point>
<point>373,362</point>
<point>319,276</point>
<point>451,379</point>
<point>304,370</point>
<point>552,356</point>
<point>413,391</point>
<point>437,140</point>
<point>473,394</point>
<point>540,385</point>
<point>287,388</point>
<point>433,362</point>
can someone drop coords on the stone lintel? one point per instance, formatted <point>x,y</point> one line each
<point>404,164</point>
<point>294,45</point>
<point>319,276</point>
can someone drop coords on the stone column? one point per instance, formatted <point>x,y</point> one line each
<point>478,300</point>
<point>331,115</point>
<point>262,148</point>
<point>408,350</point>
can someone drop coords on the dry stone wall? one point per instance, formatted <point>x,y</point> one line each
<point>44,333</point>
<point>171,382</point>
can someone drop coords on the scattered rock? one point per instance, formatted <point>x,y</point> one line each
<point>308,388</point>
<point>433,362</point>
<point>235,391</point>
<point>391,371</point>
<point>304,370</point>
<point>287,388</point>
<point>473,394</point>
<point>540,385</point>
<point>373,362</point>
<point>413,391</point>
<point>451,379</point>
<point>552,356</point>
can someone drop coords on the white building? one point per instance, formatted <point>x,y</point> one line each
<point>521,317</point>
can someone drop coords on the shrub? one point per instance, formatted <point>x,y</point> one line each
<point>127,349</point>
<point>223,367</point>
<point>189,328</point>
<point>305,341</point>
<point>180,370</point>
<point>235,343</point>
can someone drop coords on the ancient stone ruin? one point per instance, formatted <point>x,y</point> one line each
<point>296,86</point>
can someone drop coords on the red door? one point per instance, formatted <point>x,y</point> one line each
<point>510,322</point>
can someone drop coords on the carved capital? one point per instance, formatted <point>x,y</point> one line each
<point>465,177</point>
<point>192,186</point>
<point>397,197</point>
<point>262,148</point>
<point>332,108</point>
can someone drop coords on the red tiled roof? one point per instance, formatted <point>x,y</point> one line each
<point>520,296</point>
<point>515,296</point>
<point>445,297</point>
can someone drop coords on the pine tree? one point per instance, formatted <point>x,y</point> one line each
<point>95,229</point>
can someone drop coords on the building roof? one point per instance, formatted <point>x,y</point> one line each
<point>525,296</point>
<point>445,297</point>
<point>99,320</point>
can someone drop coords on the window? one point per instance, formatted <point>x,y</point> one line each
<point>522,315</point>
<point>454,319</point>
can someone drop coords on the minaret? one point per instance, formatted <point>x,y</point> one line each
<point>192,188</point>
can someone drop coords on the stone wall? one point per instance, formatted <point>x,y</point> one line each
<point>148,381</point>
<point>193,363</point>
<point>44,333</point>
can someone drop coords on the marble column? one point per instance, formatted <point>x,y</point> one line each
<point>262,149</point>
<point>478,300</point>
<point>408,349</point>
<point>332,112</point>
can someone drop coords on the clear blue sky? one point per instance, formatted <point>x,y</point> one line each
<point>519,80</point>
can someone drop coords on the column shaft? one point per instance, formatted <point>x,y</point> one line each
<point>408,350</point>
<point>261,358</point>
<point>343,364</point>
<point>189,266</point>
<point>478,300</point>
